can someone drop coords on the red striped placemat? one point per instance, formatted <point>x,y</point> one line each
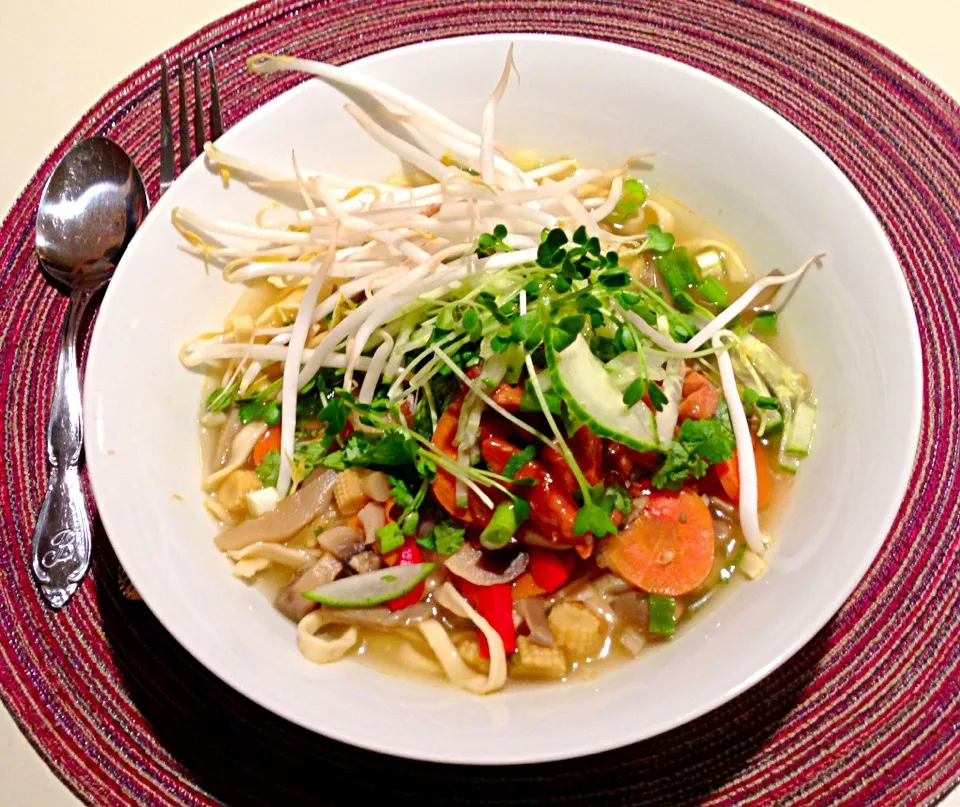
<point>867,713</point>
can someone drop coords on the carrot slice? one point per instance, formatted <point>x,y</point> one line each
<point>444,485</point>
<point>669,549</point>
<point>268,441</point>
<point>729,475</point>
<point>524,586</point>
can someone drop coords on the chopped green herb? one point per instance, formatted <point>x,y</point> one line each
<point>448,538</point>
<point>222,397</point>
<point>518,460</point>
<point>698,445</point>
<point>427,542</point>
<point>269,468</point>
<point>617,498</point>
<point>401,494</point>
<point>594,514</point>
<point>393,448</point>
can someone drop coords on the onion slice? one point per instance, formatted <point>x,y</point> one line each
<point>466,564</point>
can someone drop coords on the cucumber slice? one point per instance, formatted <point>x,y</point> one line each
<point>590,393</point>
<point>372,588</point>
<point>625,368</point>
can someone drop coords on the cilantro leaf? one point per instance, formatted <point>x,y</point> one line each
<point>427,542</point>
<point>393,448</point>
<point>447,539</point>
<point>401,493</point>
<point>593,518</point>
<point>426,467</point>
<point>698,445</point>
<point>269,468</point>
<point>617,498</point>
<point>334,414</point>
<point>518,460</point>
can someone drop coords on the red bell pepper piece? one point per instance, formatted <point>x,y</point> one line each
<point>494,604</point>
<point>549,569</point>
<point>409,554</point>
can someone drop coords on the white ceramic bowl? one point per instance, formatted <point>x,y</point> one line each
<point>721,152</point>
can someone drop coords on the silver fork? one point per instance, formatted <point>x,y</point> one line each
<point>168,169</point>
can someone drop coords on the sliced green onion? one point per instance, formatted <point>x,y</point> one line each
<point>390,537</point>
<point>765,323</point>
<point>504,523</point>
<point>713,291</point>
<point>663,611</point>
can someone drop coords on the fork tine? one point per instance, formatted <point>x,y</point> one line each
<point>216,119</point>
<point>184,123</point>
<point>167,168</point>
<point>198,135</point>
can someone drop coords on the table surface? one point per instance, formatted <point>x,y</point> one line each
<point>50,43</point>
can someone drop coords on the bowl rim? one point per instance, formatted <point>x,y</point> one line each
<point>98,473</point>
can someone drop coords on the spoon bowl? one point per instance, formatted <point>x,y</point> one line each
<point>92,205</point>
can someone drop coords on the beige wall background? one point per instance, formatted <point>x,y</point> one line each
<point>57,57</point>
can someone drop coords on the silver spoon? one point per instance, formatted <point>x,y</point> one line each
<point>91,206</point>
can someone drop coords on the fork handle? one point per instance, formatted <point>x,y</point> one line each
<point>61,540</point>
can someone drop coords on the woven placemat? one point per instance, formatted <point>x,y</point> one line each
<point>867,713</point>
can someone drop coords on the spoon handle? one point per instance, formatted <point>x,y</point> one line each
<point>61,540</point>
